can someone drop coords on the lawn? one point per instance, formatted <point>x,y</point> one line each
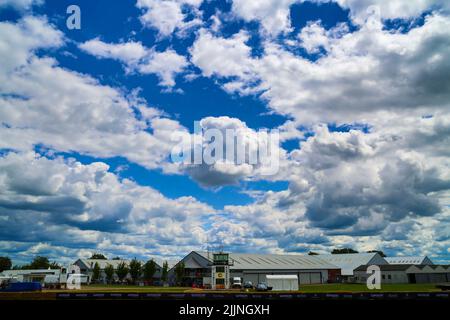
<point>339,287</point>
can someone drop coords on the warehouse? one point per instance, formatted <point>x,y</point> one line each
<point>255,268</point>
<point>87,268</point>
<point>349,262</point>
<point>31,275</point>
<point>402,273</point>
<point>410,260</point>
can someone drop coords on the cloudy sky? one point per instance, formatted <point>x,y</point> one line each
<point>359,91</point>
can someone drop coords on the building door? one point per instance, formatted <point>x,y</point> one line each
<point>411,278</point>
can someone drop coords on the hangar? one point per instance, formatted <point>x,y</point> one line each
<point>410,260</point>
<point>349,262</point>
<point>255,268</point>
<point>403,273</point>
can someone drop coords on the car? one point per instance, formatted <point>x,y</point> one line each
<point>248,285</point>
<point>237,283</point>
<point>262,287</point>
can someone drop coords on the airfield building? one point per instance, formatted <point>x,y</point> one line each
<point>255,268</point>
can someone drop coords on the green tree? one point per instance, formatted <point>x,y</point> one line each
<point>38,263</point>
<point>135,269</point>
<point>109,272</point>
<point>122,271</point>
<point>312,253</point>
<point>179,272</point>
<point>96,273</point>
<point>5,264</point>
<point>381,253</point>
<point>165,271</point>
<point>149,270</point>
<point>99,256</point>
<point>116,258</point>
<point>343,251</point>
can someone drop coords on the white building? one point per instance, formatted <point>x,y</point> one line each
<point>36,275</point>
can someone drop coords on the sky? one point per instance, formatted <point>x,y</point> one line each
<point>359,92</point>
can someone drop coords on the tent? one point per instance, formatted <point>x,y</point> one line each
<point>282,282</point>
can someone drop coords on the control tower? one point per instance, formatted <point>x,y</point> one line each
<point>220,271</point>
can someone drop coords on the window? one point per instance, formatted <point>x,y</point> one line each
<point>220,269</point>
<point>389,277</point>
<point>383,276</point>
<point>220,281</point>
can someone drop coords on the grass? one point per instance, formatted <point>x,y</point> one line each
<point>336,288</point>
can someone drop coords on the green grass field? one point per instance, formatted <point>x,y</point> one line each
<point>330,288</point>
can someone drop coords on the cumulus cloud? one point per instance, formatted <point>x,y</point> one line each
<point>315,38</point>
<point>360,189</point>
<point>65,203</point>
<point>103,119</point>
<point>168,16</point>
<point>230,152</point>
<point>366,74</point>
<point>20,4</point>
<point>136,57</point>
<point>274,15</point>
<point>403,9</point>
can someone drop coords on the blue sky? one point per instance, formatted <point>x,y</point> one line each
<point>359,92</point>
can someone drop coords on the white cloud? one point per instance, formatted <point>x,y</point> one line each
<point>405,9</point>
<point>90,118</point>
<point>66,204</point>
<point>362,190</point>
<point>20,4</point>
<point>274,15</point>
<point>167,16</point>
<point>367,74</point>
<point>138,58</point>
<point>128,52</point>
<point>314,37</point>
<point>257,162</point>
<point>222,57</point>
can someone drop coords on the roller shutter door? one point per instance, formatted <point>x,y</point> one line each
<point>316,278</point>
<point>253,277</point>
<point>304,278</point>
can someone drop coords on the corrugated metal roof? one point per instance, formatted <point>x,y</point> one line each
<point>406,260</point>
<point>246,261</point>
<point>349,262</point>
<point>115,263</point>
<point>103,263</point>
<point>387,267</point>
<point>12,273</point>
